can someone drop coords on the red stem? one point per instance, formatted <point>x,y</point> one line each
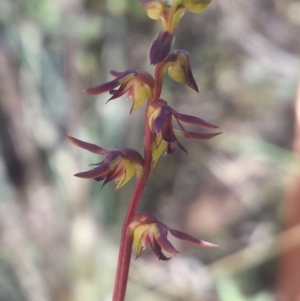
<point>126,237</point>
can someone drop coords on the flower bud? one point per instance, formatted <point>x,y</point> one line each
<point>161,47</point>
<point>180,68</point>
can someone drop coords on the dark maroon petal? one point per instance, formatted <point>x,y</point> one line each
<point>192,120</point>
<point>103,88</point>
<point>122,90</point>
<point>162,240</point>
<point>112,155</point>
<point>160,121</point>
<point>113,173</point>
<point>109,177</point>
<point>92,164</point>
<point>120,75</point>
<point>132,156</point>
<point>168,132</point>
<point>180,125</point>
<point>113,92</point>
<point>99,171</point>
<point>170,148</point>
<point>161,47</point>
<point>200,136</point>
<point>181,146</point>
<point>157,251</point>
<point>99,179</point>
<point>156,248</point>
<point>87,146</point>
<point>183,236</point>
<point>191,239</point>
<point>103,169</point>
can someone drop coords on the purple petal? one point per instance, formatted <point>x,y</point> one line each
<point>199,136</point>
<point>99,171</point>
<point>192,120</point>
<point>191,239</point>
<point>122,90</point>
<point>114,173</point>
<point>170,149</point>
<point>161,237</point>
<point>99,179</point>
<point>160,121</point>
<point>120,75</point>
<point>157,251</point>
<point>87,146</point>
<point>103,88</point>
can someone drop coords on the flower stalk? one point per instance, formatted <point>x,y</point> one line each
<point>126,238</point>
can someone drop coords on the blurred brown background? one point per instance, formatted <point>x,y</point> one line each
<point>59,235</point>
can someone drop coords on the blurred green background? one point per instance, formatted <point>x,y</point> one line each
<point>59,235</point>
